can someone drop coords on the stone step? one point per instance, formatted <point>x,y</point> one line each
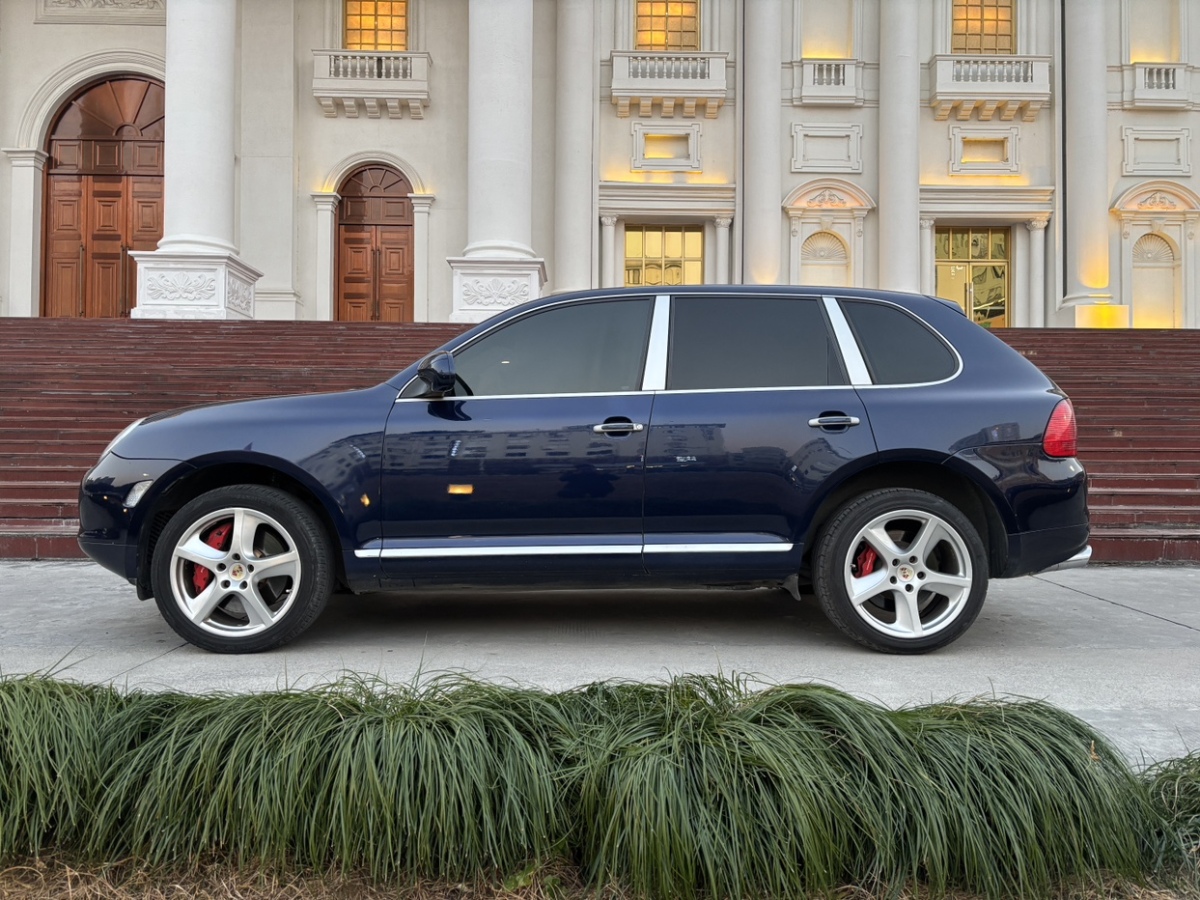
<point>1145,516</point>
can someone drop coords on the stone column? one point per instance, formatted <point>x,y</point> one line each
<point>25,243</point>
<point>574,181</point>
<point>899,153</point>
<point>195,272</point>
<point>1085,167</point>
<point>762,190</point>
<point>722,223</point>
<point>608,240</point>
<point>421,204</point>
<point>498,268</point>
<point>324,298</point>
<point>1037,272</point>
<point>928,260</point>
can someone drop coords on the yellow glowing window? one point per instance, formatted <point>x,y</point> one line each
<point>377,25</point>
<point>983,27</point>
<point>664,254</point>
<point>668,25</point>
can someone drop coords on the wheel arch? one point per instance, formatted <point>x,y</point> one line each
<point>205,478</point>
<point>936,478</point>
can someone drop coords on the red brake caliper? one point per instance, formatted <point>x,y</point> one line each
<point>218,539</point>
<point>864,562</point>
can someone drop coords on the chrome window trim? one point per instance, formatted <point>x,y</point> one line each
<point>474,398</point>
<point>654,375</point>
<point>856,366</point>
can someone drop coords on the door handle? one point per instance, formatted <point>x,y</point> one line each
<point>618,427</point>
<point>832,421</point>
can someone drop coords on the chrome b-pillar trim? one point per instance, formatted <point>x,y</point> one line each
<point>856,366</point>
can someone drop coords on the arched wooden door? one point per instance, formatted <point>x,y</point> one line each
<point>375,247</point>
<point>104,197</point>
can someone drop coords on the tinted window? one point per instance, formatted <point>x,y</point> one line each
<point>588,348</point>
<point>897,347</point>
<point>745,342</point>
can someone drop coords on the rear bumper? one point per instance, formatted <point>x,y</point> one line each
<point>1051,548</point>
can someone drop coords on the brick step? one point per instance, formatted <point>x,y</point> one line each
<point>63,491</point>
<point>1103,495</point>
<point>1131,458</point>
<point>41,510</point>
<point>1120,545</point>
<point>1135,481</point>
<point>19,541</point>
<point>43,474</point>
<point>1145,516</point>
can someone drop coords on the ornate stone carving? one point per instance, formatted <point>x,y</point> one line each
<point>1037,224</point>
<point>1151,248</point>
<point>239,295</point>
<point>823,247</point>
<point>1158,200</point>
<point>723,221</point>
<point>827,199</point>
<point>494,292</point>
<point>927,223</point>
<point>105,4</point>
<point>182,287</point>
<point>608,221</point>
<point>114,12</point>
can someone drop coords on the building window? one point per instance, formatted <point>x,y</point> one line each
<point>668,25</point>
<point>972,271</point>
<point>663,255</point>
<point>984,27</point>
<point>376,25</point>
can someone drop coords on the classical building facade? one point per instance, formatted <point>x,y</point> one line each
<point>440,160</point>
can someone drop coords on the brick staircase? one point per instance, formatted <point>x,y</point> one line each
<point>67,386</point>
<point>1137,400</point>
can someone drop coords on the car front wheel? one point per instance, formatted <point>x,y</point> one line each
<point>242,569</point>
<point>901,571</point>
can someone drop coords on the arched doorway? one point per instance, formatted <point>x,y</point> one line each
<point>104,196</point>
<point>375,246</point>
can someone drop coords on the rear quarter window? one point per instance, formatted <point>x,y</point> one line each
<point>898,347</point>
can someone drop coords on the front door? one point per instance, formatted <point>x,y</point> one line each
<point>375,247</point>
<point>104,197</point>
<point>528,469</point>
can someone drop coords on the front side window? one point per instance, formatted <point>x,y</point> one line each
<point>668,25</point>
<point>663,255</point>
<point>376,25</point>
<point>750,342</point>
<point>588,348</point>
<point>983,27</point>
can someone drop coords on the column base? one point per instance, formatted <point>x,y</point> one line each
<point>486,286</point>
<point>193,286</point>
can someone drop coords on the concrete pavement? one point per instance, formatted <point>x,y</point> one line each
<point>1118,646</point>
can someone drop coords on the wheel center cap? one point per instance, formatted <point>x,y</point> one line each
<point>906,573</point>
<point>238,571</point>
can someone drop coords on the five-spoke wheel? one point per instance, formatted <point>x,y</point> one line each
<point>900,570</point>
<point>242,569</point>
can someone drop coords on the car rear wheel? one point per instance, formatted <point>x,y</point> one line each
<point>901,571</point>
<point>242,569</point>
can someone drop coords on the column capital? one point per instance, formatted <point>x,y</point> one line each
<point>326,200</point>
<point>723,221</point>
<point>609,221</point>
<point>1038,224</point>
<point>927,222</point>
<point>422,202</point>
<point>20,158</point>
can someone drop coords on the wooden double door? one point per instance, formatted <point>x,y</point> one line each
<point>93,223</point>
<point>375,247</point>
<point>103,196</point>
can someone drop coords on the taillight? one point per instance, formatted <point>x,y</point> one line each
<point>1061,438</point>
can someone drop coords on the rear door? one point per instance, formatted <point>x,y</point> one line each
<point>756,416</point>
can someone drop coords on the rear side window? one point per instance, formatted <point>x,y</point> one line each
<point>750,342</point>
<point>898,348</point>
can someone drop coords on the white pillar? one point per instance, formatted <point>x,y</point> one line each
<point>608,240</point>
<point>573,177</point>
<point>1037,272</point>
<point>24,242</point>
<point>722,223</point>
<point>327,205</point>
<point>762,191</point>
<point>498,268</point>
<point>1085,168</point>
<point>195,273</point>
<point>899,153</point>
<point>928,274</point>
<point>421,204</point>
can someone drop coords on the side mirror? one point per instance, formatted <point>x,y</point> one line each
<point>437,371</point>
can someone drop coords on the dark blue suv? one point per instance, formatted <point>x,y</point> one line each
<point>876,448</point>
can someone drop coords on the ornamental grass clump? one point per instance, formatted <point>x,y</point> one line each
<point>1174,788</point>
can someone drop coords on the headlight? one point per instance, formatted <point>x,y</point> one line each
<point>113,443</point>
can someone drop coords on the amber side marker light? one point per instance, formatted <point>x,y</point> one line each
<point>1062,437</point>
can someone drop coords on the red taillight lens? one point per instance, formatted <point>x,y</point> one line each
<point>1061,437</point>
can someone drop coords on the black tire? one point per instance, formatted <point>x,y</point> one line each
<point>252,608</point>
<point>921,595</point>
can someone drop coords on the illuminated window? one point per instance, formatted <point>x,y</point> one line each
<point>668,25</point>
<point>972,270</point>
<point>983,27</point>
<point>664,254</point>
<point>377,25</point>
